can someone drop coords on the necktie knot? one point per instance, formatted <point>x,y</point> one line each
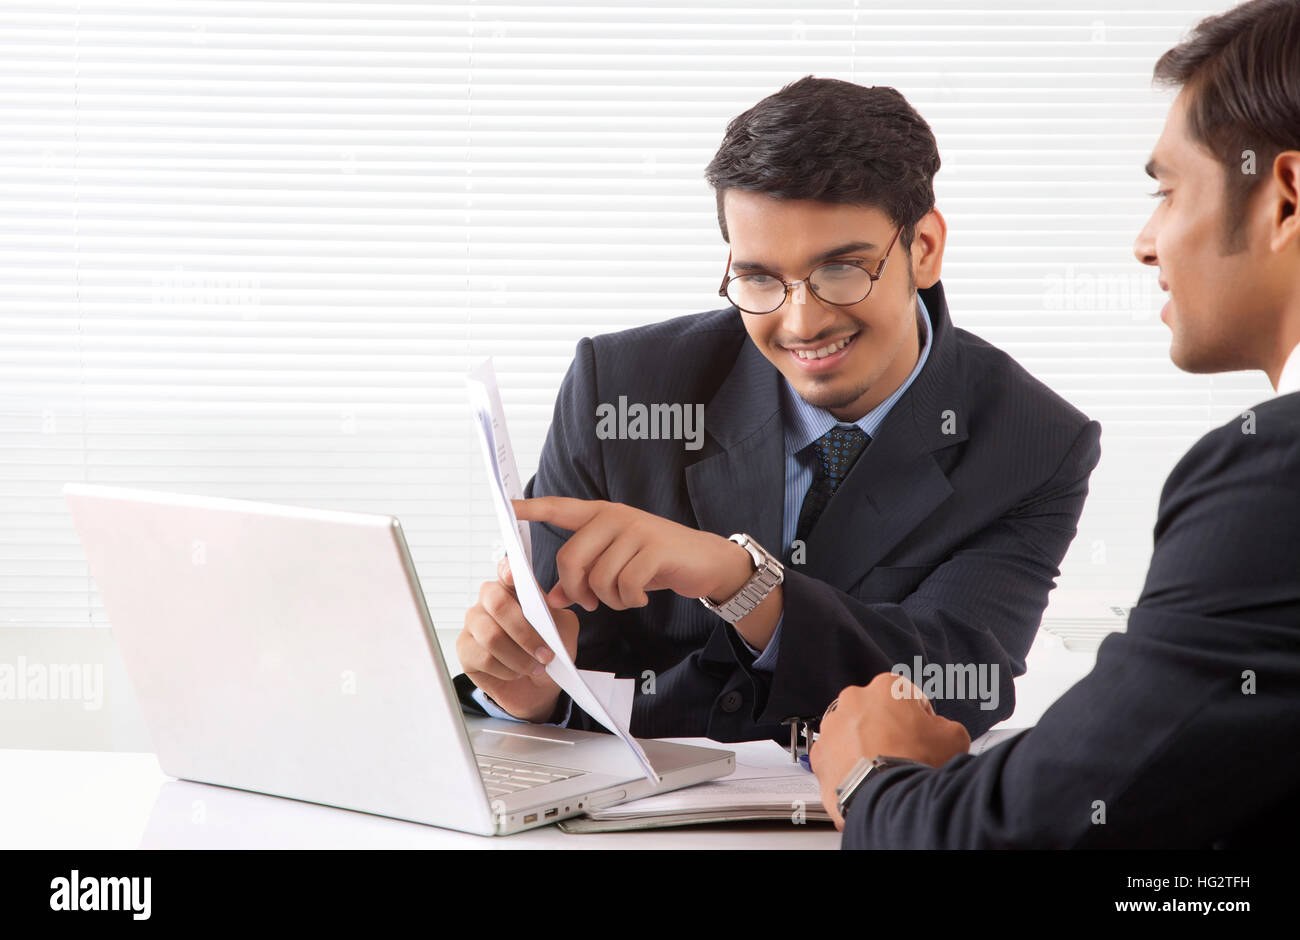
<point>838,448</point>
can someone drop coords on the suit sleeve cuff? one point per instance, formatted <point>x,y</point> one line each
<point>766,660</point>
<point>496,711</point>
<point>492,708</point>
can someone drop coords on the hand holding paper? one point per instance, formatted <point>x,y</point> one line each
<point>511,668</point>
<point>601,695</point>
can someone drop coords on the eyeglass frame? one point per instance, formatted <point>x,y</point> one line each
<point>856,262</point>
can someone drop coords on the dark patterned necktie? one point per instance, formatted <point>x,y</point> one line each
<point>837,449</point>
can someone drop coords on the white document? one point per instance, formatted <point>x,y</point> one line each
<point>720,800</point>
<point>485,396</point>
<point>765,784</point>
<point>601,695</point>
<point>614,693</point>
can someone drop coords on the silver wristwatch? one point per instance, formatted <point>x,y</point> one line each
<point>861,771</point>
<point>768,573</point>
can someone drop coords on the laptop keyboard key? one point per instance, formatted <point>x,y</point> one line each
<point>501,777</point>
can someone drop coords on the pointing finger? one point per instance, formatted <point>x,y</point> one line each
<point>563,511</point>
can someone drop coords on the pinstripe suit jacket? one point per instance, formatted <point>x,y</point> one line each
<point>1184,733</point>
<point>942,542</point>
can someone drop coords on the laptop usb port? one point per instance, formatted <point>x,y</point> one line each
<point>530,818</point>
<point>552,812</point>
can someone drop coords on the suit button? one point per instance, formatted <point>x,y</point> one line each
<point>732,701</point>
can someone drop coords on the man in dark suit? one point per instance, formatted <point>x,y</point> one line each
<point>1184,733</point>
<point>921,487</point>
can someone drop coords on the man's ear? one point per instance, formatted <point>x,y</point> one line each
<point>927,248</point>
<point>1285,234</point>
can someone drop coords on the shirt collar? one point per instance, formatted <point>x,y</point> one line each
<point>1289,380</point>
<point>805,423</point>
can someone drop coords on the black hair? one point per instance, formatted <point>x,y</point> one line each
<point>833,141</point>
<point>1241,72</point>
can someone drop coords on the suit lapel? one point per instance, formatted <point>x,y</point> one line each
<point>896,483</point>
<point>740,486</point>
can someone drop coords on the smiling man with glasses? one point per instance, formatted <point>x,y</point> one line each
<point>875,486</point>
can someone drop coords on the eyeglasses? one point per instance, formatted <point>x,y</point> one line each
<point>843,283</point>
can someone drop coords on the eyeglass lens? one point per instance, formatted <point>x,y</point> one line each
<point>835,283</point>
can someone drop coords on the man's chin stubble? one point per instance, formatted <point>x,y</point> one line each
<point>826,399</point>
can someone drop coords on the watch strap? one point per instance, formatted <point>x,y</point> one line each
<point>768,573</point>
<point>864,768</point>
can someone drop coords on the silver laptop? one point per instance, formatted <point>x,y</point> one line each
<point>289,651</point>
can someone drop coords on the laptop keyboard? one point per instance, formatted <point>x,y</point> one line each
<point>502,777</point>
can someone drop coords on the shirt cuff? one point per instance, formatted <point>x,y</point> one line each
<point>496,711</point>
<point>766,660</point>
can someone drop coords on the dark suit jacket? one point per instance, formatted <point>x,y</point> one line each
<point>940,545</point>
<point>1186,729</point>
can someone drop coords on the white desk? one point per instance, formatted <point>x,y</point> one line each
<point>101,800</point>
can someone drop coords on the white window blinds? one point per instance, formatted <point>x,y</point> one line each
<point>250,249</point>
